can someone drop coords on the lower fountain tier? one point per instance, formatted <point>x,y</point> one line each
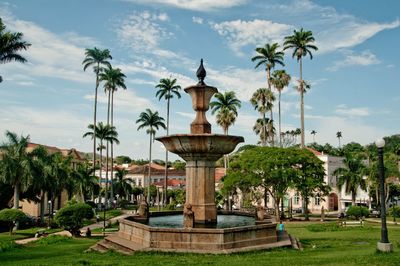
<point>200,151</point>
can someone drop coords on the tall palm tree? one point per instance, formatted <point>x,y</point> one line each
<point>103,133</point>
<point>167,88</point>
<point>351,175</point>
<point>263,127</point>
<point>269,57</point>
<point>313,132</point>
<point>280,79</point>
<point>152,121</point>
<point>96,58</point>
<point>10,44</point>
<point>339,136</point>
<point>15,166</point>
<point>262,100</point>
<point>114,79</point>
<point>302,43</point>
<point>226,105</point>
<point>84,181</point>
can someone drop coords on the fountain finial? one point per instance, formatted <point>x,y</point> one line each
<point>201,73</point>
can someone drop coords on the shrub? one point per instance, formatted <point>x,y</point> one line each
<point>171,206</point>
<point>123,203</point>
<point>357,212</point>
<point>11,216</point>
<point>72,216</point>
<point>395,211</point>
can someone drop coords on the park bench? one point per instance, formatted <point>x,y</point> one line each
<point>345,223</point>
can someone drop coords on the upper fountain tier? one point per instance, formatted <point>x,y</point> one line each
<point>200,142</point>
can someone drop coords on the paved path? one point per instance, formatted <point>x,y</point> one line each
<point>83,229</point>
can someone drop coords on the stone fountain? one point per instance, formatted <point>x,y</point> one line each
<point>200,229</point>
<point>201,149</point>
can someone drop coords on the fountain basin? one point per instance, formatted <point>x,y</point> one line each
<point>207,147</point>
<point>199,240</point>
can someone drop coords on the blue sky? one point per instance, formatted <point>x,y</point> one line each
<point>354,75</point>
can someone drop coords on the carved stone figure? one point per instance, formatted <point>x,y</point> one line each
<point>143,209</point>
<point>322,213</point>
<point>260,213</point>
<point>188,216</point>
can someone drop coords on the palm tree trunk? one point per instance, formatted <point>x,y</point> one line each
<point>107,145</point>
<point>42,193</point>
<point>166,156</point>
<point>264,132</point>
<point>353,198</point>
<point>302,103</point>
<point>101,168</point>
<point>94,118</point>
<point>112,146</point>
<point>149,177</point>
<point>225,155</point>
<point>271,113</point>
<point>16,195</point>
<point>279,110</point>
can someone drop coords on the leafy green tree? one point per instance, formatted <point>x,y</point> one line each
<point>351,175</point>
<point>179,165</point>
<point>167,88</point>
<point>97,58</point>
<point>313,132</point>
<point>309,180</point>
<point>15,166</point>
<point>10,44</point>
<point>302,43</point>
<point>280,79</point>
<point>114,79</point>
<point>152,121</point>
<point>271,169</point>
<point>11,217</point>
<point>85,182</point>
<point>72,216</point>
<point>122,159</point>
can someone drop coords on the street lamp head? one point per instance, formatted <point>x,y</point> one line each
<point>380,143</point>
<point>49,201</point>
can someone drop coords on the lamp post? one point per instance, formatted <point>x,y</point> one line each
<point>384,245</point>
<point>49,211</point>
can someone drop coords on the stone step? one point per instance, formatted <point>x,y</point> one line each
<point>118,243</point>
<point>98,248</point>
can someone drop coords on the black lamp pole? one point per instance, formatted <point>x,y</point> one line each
<point>384,232</point>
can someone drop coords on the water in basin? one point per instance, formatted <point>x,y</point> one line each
<point>224,221</point>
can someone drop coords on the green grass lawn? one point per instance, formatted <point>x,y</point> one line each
<point>325,244</point>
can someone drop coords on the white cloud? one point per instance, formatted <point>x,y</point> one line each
<point>196,5</point>
<point>365,58</point>
<point>124,99</point>
<point>240,33</point>
<point>352,112</point>
<point>198,20</point>
<point>142,32</point>
<point>50,55</point>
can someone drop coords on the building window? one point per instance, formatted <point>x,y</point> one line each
<point>296,198</point>
<point>317,200</point>
<point>140,183</point>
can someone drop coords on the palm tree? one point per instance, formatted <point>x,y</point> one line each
<point>15,166</point>
<point>114,79</point>
<point>339,136</point>
<point>313,132</point>
<point>151,121</point>
<point>97,58</point>
<point>122,184</point>
<point>226,106</point>
<point>167,88</point>
<point>84,180</point>
<point>10,44</point>
<point>263,127</point>
<point>302,43</point>
<point>352,175</point>
<point>269,57</point>
<point>280,79</point>
<point>103,133</point>
<point>262,100</point>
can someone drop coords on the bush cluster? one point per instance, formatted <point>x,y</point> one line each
<point>357,212</point>
<point>72,216</point>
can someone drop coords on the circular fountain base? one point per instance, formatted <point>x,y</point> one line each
<point>167,234</point>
